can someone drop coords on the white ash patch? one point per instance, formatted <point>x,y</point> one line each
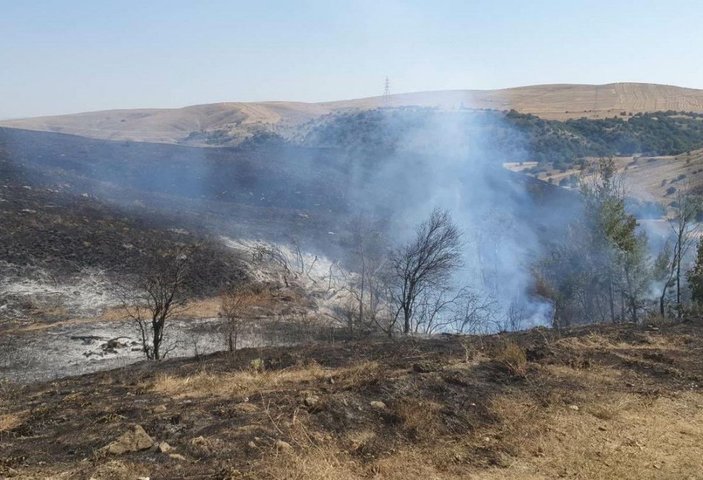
<point>88,293</point>
<point>323,280</point>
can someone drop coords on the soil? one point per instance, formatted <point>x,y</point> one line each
<point>370,408</point>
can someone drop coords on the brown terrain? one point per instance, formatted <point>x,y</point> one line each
<point>597,402</point>
<point>241,119</point>
<point>645,178</point>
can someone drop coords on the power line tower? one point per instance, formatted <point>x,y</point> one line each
<point>387,93</point>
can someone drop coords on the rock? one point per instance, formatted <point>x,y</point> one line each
<point>378,405</point>
<point>312,400</point>
<point>114,343</point>
<point>575,408</point>
<point>283,446</point>
<point>251,445</point>
<point>165,447</point>
<point>159,409</point>
<point>177,456</point>
<point>132,441</point>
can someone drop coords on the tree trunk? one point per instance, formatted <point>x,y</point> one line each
<point>679,250</point>
<point>611,298</point>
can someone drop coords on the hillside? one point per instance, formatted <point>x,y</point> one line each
<point>197,124</point>
<point>594,403</point>
<point>649,179</point>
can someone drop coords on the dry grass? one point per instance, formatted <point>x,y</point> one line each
<point>419,418</point>
<point>205,384</point>
<point>10,421</point>
<point>255,380</point>
<point>513,358</point>
<point>311,463</point>
<point>604,435</point>
<point>585,410</point>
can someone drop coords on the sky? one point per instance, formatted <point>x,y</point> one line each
<point>67,56</point>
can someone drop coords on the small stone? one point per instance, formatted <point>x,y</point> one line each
<point>133,441</point>
<point>165,447</point>
<point>575,408</point>
<point>312,400</point>
<point>602,428</point>
<point>177,456</point>
<point>251,445</point>
<point>284,446</point>
<point>159,409</point>
<point>378,405</point>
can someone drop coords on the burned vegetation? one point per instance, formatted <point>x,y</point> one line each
<point>626,398</point>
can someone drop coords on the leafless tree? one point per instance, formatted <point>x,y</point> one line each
<point>471,313</point>
<point>369,261</point>
<point>426,262</point>
<point>158,294</point>
<point>236,309</point>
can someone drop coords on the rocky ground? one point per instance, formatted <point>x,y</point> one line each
<point>597,402</point>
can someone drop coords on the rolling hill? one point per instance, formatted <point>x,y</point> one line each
<point>196,124</point>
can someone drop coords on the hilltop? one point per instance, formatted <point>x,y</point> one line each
<point>196,125</point>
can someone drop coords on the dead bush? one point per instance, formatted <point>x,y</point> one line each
<point>512,356</point>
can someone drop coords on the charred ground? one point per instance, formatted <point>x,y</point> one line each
<point>596,402</point>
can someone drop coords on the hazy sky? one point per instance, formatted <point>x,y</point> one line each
<point>67,56</point>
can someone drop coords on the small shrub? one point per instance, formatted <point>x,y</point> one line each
<point>256,365</point>
<point>513,358</point>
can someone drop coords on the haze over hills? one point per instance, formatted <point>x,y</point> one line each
<point>236,120</point>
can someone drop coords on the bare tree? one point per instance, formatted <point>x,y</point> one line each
<point>434,308</point>
<point>236,304</point>
<point>471,312</point>
<point>684,229</point>
<point>158,295</point>
<point>426,262</point>
<point>369,260</point>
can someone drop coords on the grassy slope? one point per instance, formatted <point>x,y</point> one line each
<point>547,101</point>
<point>649,178</point>
<point>596,403</point>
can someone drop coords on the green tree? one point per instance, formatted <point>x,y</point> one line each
<point>601,271</point>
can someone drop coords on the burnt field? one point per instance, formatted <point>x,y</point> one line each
<point>596,402</point>
<point>216,188</point>
<point>272,190</point>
